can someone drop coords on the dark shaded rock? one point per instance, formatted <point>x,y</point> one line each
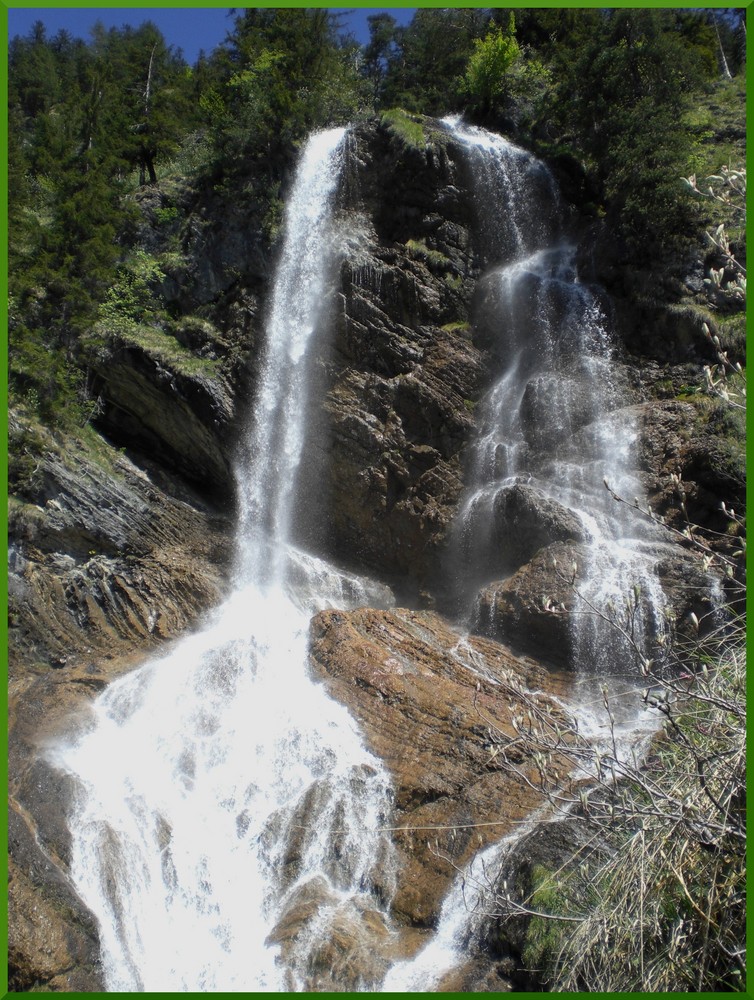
<point>677,437</point>
<point>403,373</point>
<point>538,610</point>
<point>183,420</point>
<point>517,611</point>
<point>221,236</point>
<point>527,521</point>
<point>550,848</point>
<point>667,332</point>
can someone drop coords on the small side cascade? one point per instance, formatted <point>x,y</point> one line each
<point>550,429</point>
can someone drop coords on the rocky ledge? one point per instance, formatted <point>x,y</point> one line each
<point>112,559</point>
<point>431,703</point>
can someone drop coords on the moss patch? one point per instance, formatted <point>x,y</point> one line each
<point>407,128</point>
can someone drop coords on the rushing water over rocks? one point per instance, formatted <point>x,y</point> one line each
<point>228,810</point>
<point>550,432</point>
<point>231,829</point>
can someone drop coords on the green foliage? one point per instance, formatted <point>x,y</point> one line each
<point>131,299</point>
<point>552,896</point>
<point>485,82</point>
<point>655,899</point>
<point>163,346</point>
<point>622,88</point>
<point>83,115</point>
<point>380,51</point>
<point>285,74</point>
<point>619,90</point>
<point>426,57</point>
<point>166,215</point>
<point>671,904</point>
<point>405,127</point>
<point>726,194</point>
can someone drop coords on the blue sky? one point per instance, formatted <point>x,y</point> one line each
<point>187,28</point>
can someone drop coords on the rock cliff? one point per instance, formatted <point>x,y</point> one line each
<point>120,541</point>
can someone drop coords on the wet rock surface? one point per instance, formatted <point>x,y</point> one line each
<point>115,553</point>
<point>52,938</point>
<point>411,681</point>
<point>516,610</point>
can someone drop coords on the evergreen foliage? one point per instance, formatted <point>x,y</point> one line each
<point>92,121</point>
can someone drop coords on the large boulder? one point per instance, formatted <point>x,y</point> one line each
<point>530,609</point>
<point>527,521</point>
<point>544,609</point>
<point>426,698</point>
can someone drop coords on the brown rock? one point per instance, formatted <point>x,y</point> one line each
<point>52,937</point>
<point>352,945</point>
<point>411,681</point>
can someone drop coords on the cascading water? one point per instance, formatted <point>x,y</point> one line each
<point>550,422</point>
<point>218,786</point>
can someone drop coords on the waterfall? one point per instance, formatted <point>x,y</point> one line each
<point>228,818</point>
<point>552,422</point>
<point>216,783</point>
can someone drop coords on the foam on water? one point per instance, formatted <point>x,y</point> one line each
<point>197,772</point>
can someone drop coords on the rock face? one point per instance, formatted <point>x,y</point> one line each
<point>425,698</point>
<point>515,610</point>
<point>182,420</point>
<point>403,373</point>
<point>119,547</point>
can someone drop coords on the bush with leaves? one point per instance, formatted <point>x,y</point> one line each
<point>727,191</point>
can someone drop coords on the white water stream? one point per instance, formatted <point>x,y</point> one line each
<point>198,770</point>
<point>215,780</point>
<point>550,422</point>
